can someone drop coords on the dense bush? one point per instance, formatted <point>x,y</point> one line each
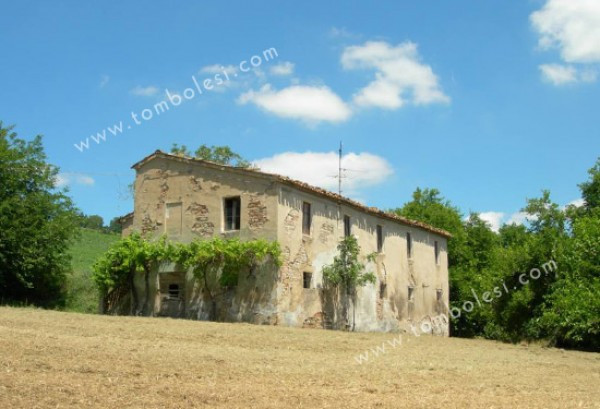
<point>562,306</point>
<point>37,224</point>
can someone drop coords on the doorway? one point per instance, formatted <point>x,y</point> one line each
<point>172,295</point>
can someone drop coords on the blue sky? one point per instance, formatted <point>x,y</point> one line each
<point>488,101</point>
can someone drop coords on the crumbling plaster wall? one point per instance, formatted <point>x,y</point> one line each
<point>185,201</point>
<point>382,306</point>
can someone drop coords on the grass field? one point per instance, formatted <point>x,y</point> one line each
<point>91,244</point>
<point>58,359</point>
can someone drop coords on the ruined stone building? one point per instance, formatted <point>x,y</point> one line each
<point>187,199</point>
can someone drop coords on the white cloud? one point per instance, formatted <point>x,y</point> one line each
<point>518,218</point>
<point>284,68</point>
<point>103,81</point>
<point>144,91</point>
<point>219,69</point>
<point>342,32</point>
<point>559,74</point>
<point>571,26</point>
<point>400,76</point>
<point>311,104</point>
<point>494,219</point>
<point>64,179</point>
<point>576,203</point>
<point>321,169</point>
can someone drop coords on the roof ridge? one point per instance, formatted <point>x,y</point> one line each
<point>302,185</point>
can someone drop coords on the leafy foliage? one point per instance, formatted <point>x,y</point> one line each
<point>216,262</point>
<point>218,154</point>
<point>346,269</point>
<point>562,307</point>
<point>37,224</point>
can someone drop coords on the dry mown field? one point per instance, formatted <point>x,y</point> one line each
<point>53,359</point>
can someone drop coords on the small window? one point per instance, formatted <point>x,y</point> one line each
<point>232,213</point>
<point>409,245</point>
<point>436,249</point>
<point>174,291</point>
<point>379,239</point>
<point>307,278</point>
<point>438,294</point>
<point>306,218</point>
<point>347,226</point>
<point>411,293</point>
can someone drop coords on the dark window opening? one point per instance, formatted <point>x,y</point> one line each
<point>347,226</point>
<point>436,249</point>
<point>174,291</point>
<point>379,239</point>
<point>306,218</point>
<point>307,278</point>
<point>438,295</point>
<point>411,293</point>
<point>409,245</point>
<point>232,213</point>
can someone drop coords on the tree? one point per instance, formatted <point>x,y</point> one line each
<point>180,150</point>
<point>217,154</point>
<point>115,225</point>
<point>347,272</point>
<point>94,222</point>
<point>590,190</point>
<point>428,206</point>
<point>37,224</point>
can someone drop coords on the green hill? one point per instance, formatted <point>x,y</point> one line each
<point>82,295</point>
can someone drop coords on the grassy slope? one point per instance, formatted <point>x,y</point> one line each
<point>88,247</point>
<point>57,359</point>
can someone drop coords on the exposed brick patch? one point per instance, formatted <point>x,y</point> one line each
<point>316,321</point>
<point>326,232</point>
<point>202,225</point>
<point>291,220</point>
<point>284,271</point>
<point>148,225</point>
<point>195,184</point>
<point>164,186</point>
<point>290,268</point>
<point>257,213</point>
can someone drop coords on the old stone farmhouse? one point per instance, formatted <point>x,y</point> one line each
<point>187,199</point>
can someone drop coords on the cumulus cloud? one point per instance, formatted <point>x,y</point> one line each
<point>559,74</point>
<point>400,76</point>
<point>519,218</point>
<point>321,168</point>
<point>219,69</point>
<point>494,219</point>
<point>572,28</point>
<point>285,68</point>
<point>148,91</point>
<point>64,179</point>
<point>311,104</point>
<point>576,203</point>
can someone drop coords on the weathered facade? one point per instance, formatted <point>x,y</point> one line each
<point>188,199</point>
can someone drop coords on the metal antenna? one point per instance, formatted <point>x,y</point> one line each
<point>340,170</point>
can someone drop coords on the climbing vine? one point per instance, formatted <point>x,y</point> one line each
<point>347,272</point>
<point>217,263</point>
